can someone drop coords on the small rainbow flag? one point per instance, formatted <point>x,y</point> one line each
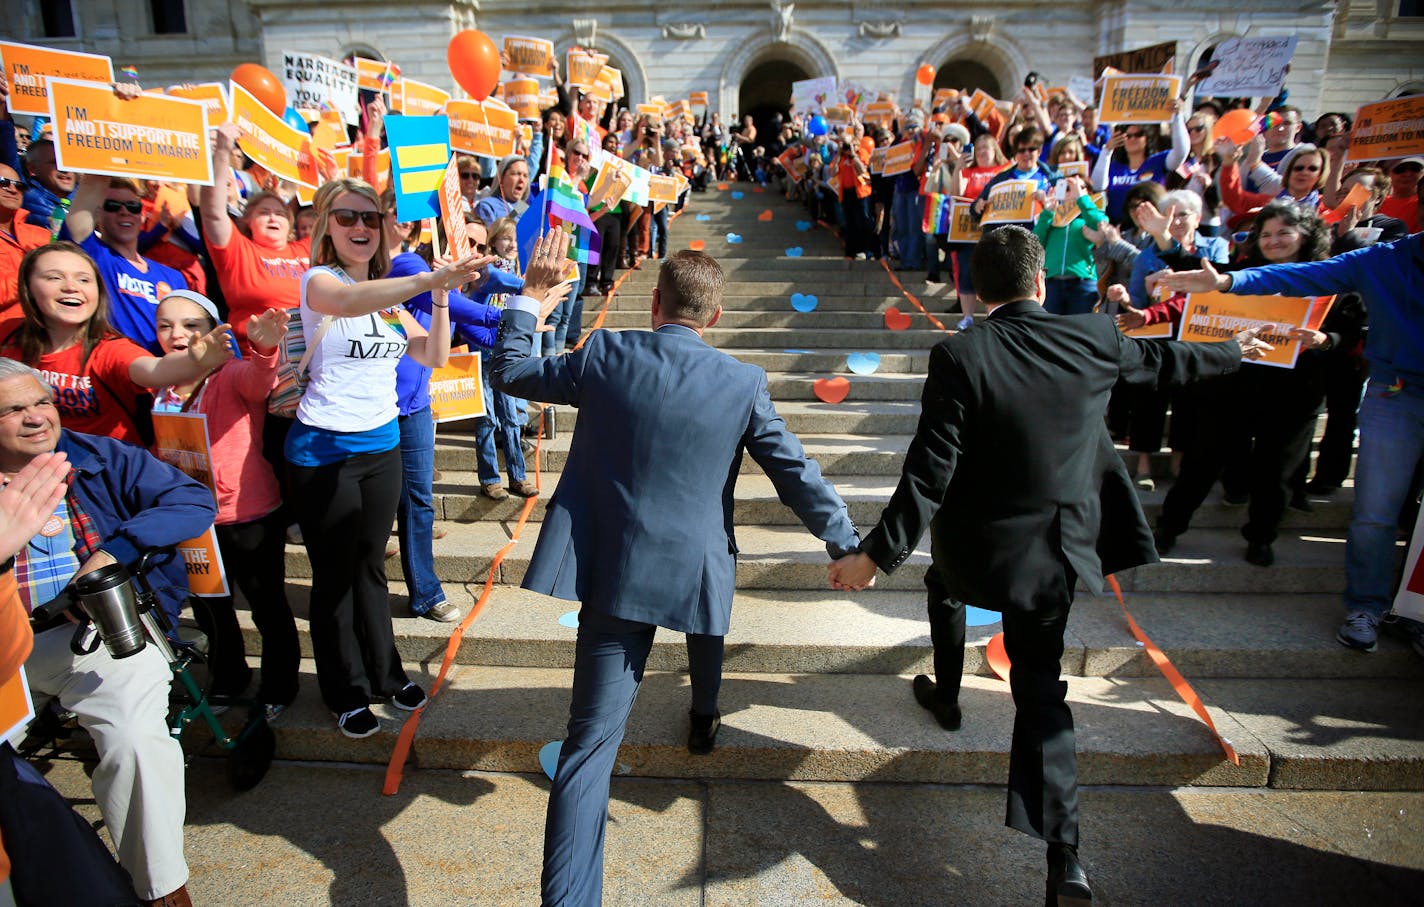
<point>389,76</point>
<point>131,72</point>
<point>326,107</point>
<point>393,320</point>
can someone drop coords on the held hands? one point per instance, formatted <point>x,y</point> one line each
<point>852,573</point>
<point>265,331</point>
<point>1251,347</point>
<point>28,500</point>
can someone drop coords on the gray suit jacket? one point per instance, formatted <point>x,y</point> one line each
<point>640,526</point>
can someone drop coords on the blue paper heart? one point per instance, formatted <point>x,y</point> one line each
<point>799,352</point>
<point>863,363</point>
<point>569,620</point>
<point>549,757</point>
<point>704,217</point>
<point>804,302</point>
<point>733,238</point>
<point>793,252</point>
<point>737,195</point>
<point>978,617</point>
<point>803,225</point>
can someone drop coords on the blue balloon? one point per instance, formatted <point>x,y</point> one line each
<point>294,120</point>
<point>817,125</point>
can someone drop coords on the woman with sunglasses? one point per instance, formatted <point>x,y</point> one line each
<point>1303,174</point>
<point>344,450</point>
<point>16,237</point>
<point>1128,158</point>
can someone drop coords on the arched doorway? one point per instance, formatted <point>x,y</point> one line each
<point>765,93</point>
<point>970,74</point>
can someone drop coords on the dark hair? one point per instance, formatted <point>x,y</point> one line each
<point>1006,265</point>
<point>690,287</point>
<point>1029,135</point>
<point>1152,136</point>
<point>1314,232</point>
<point>31,336</point>
<point>1137,193</point>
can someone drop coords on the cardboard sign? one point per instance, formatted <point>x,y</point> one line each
<point>1249,67</point>
<point>614,179</point>
<point>1214,317</point>
<point>613,78</point>
<point>1075,168</point>
<point>698,99</point>
<point>28,67</point>
<point>1011,202</point>
<point>376,75</point>
<point>662,188</point>
<point>982,103</point>
<point>583,67</point>
<point>312,80</point>
<point>271,143</point>
<point>529,56</point>
<point>1157,330</point>
<point>899,158</point>
<point>1138,98</point>
<point>484,127</point>
<point>452,211</point>
<point>882,112</point>
<point>877,160</point>
<point>1388,129</point>
<point>153,136</point>
<point>181,441</point>
<point>17,709</point>
<point>456,391</point>
<point>522,95</point>
<point>838,115</point>
<point>962,226</point>
<point>813,95</point>
<point>1159,58</point>
<point>421,100</point>
<point>213,96</point>
<point>420,150</point>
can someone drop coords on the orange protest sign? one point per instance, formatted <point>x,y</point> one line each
<point>1075,168</point>
<point>662,188</point>
<point>882,112</point>
<point>1388,129</point>
<point>275,146</point>
<point>877,160</point>
<point>601,92</point>
<point>613,181</point>
<point>455,389</point>
<point>613,78</point>
<point>484,127</point>
<point>1138,98</point>
<point>838,115</point>
<point>421,100</point>
<point>529,56</point>
<point>16,706</point>
<point>679,109</point>
<point>1011,202</point>
<point>1213,317</point>
<point>329,131</point>
<point>944,95</point>
<point>27,68</point>
<point>1158,330</point>
<point>899,158</point>
<point>654,111</point>
<point>583,67</point>
<point>452,212</point>
<point>150,137</point>
<point>1318,310</point>
<point>376,75</point>
<point>522,95</point>
<point>181,440</point>
<point>962,226</point>
<point>981,103</point>
<point>212,94</point>
<point>356,167</point>
<point>698,99</point>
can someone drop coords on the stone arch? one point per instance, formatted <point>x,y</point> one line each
<point>1201,49</point>
<point>803,50</point>
<point>620,57</point>
<point>1000,54</point>
<point>1405,87</point>
<point>361,49</point>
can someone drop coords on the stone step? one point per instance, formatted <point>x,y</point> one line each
<point>921,335</point>
<point>775,282</point>
<point>915,363</point>
<point>885,632</point>
<point>630,307</point>
<point>866,319</point>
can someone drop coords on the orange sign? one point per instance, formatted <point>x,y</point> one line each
<point>150,137</point>
<point>356,168</point>
<point>899,158</point>
<point>1011,202</point>
<point>1388,129</point>
<point>877,160</point>
<point>613,78</point>
<point>662,188</point>
<point>16,706</point>
<point>838,115</point>
<point>530,56</point>
<point>981,103</point>
<point>1213,317</point>
<point>455,389</point>
<point>181,441</point>
<point>655,111</point>
<point>212,94</point>
<point>421,100</point>
<point>1138,98</point>
<point>482,127</point>
<point>522,95</point>
<point>1075,168</point>
<point>881,112</point>
<point>270,142</point>
<point>614,179</point>
<point>962,227</point>
<point>1157,330</point>
<point>28,67</point>
<point>452,212</point>
<point>944,95</point>
<point>698,99</point>
<point>376,75</point>
<point>583,67</point>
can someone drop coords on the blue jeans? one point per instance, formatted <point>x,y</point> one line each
<point>502,419</point>
<point>1391,445</point>
<point>908,212</point>
<point>415,514</point>
<point>1070,295</point>
<point>561,318</point>
<point>657,241</point>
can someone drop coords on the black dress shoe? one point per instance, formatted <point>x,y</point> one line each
<point>926,694</point>
<point>1067,880</point>
<point>1164,541</point>
<point>702,739</point>
<point>1260,554</point>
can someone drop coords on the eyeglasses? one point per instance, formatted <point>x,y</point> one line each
<point>113,206</point>
<point>469,176</point>
<point>1303,168</point>
<point>347,217</point>
<point>7,183</point>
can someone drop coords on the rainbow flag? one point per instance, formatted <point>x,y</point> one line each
<point>937,211</point>
<point>131,72</point>
<point>389,76</point>
<point>558,205</point>
<point>393,320</point>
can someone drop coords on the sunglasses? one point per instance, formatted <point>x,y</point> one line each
<point>7,183</point>
<point>1134,135</point>
<point>481,248</point>
<point>113,206</point>
<point>347,217</point>
<point>1305,169</point>
<point>1025,149</point>
<point>1407,168</point>
<point>469,176</point>
<point>1196,129</point>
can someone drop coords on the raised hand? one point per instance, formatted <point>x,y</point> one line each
<point>852,573</point>
<point>1152,221</point>
<point>451,275</point>
<point>548,264</point>
<point>213,348</point>
<point>265,331</point>
<point>29,499</point>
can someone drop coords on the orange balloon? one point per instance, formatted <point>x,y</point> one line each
<point>925,74</point>
<point>474,62</point>
<point>1237,125</point>
<point>263,86</point>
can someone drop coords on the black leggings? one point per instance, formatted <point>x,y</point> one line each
<point>346,510</point>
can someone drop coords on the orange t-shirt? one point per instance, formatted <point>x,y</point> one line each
<point>99,399</point>
<point>256,278</point>
<point>12,249</point>
<point>16,641</point>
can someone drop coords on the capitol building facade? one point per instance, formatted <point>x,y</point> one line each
<point>745,53</point>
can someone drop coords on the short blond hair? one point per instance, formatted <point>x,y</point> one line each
<point>690,287</point>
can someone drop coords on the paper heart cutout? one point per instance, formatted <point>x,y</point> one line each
<point>863,363</point>
<point>832,390</point>
<point>896,320</point>
<point>799,352</point>
<point>803,225</point>
<point>804,302</point>
<point>738,195</point>
<point>794,252</point>
<point>734,238</point>
<point>704,217</point>
<point>722,187</point>
<point>569,619</point>
<point>980,617</point>
<point>759,189</point>
<point>765,215</point>
<point>549,757</point>
<point>697,245</point>
<point>997,656</point>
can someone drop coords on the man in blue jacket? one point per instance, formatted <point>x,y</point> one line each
<point>120,502</point>
<point>640,527</point>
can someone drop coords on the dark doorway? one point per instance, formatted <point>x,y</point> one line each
<point>968,74</point>
<point>766,95</point>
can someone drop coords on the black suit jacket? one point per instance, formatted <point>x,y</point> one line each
<point>1012,467</point>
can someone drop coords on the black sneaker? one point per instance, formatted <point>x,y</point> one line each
<point>702,737</point>
<point>1300,503</point>
<point>358,723</point>
<point>410,698</point>
<point>1260,554</point>
<point>1164,541</point>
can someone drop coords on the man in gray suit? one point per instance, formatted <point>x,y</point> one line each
<point>640,527</point>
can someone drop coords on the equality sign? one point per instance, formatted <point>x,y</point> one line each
<point>1011,202</point>
<point>312,80</point>
<point>452,211</point>
<point>899,158</point>
<point>28,68</point>
<point>420,150</point>
<point>421,100</point>
<point>455,389</point>
<point>522,95</point>
<point>152,136</point>
<point>181,441</point>
<point>529,56</point>
<point>1388,129</point>
<point>213,95</point>
<point>1249,67</point>
<point>962,227</point>
<point>662,188</point>
<point>271,143</point>
<point>1214,317</point>
<point>485,127</point>
<point>1138,98</point>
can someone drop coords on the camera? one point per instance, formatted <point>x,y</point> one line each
<point>1031,80</point>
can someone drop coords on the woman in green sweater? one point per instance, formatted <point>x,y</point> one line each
<point>1072,280</point>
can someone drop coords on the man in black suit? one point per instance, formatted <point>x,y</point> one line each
<point>1013,452</point>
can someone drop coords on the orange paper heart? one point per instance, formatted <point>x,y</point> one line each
<point>722,187</point>
<point>896,320</point>
<point>697,245</point>
<point>832,390</point>
<point>765,215</point>
<point>998,656</point>
<point>758,189</point>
